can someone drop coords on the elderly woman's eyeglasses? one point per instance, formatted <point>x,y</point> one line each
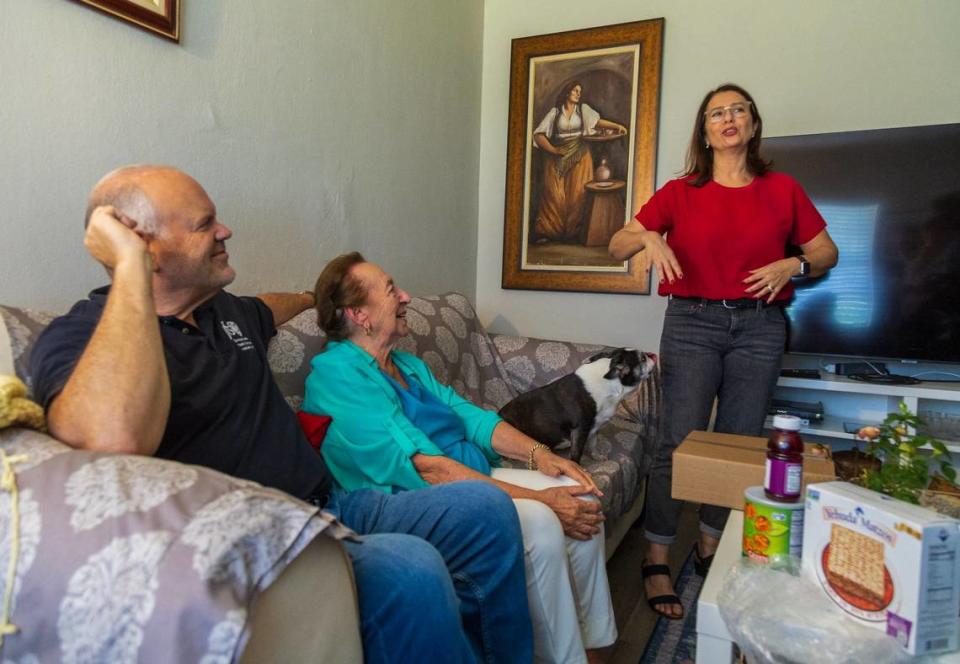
<point>738,110</point>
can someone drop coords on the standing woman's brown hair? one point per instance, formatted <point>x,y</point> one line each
<point>700,156</point>
<point>336,290</point>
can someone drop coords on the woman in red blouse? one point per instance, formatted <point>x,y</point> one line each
<point>723,265</point>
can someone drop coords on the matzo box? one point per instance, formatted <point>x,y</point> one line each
<point>888,564</point>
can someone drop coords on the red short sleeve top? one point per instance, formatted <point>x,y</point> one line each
<point>720,233</point>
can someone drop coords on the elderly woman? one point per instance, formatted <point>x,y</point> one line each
<point>396,428</point>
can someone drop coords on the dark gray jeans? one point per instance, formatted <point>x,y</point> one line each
<point>707,351</point>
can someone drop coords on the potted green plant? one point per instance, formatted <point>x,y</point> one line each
<point>907,465</point>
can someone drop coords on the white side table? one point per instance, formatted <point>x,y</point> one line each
<point>714,644</point>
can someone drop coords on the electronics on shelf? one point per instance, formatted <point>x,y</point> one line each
<point>805,410</point>
<point>885,379</point>
<point>851,368</point>
<point>800,373</point>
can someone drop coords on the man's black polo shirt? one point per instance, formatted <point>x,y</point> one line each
<point>226,411</point>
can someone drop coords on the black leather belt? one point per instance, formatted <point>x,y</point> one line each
<point>739,303</point>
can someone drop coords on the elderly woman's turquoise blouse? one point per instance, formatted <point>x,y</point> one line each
<point>371,440</point>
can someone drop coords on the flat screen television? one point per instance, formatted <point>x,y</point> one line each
<point>891,198</point>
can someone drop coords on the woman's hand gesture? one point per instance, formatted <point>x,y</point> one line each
<point>648,247</point>
<point>580,519</point>
<point>766,282</point>
<point>554,465</point>
<point>661,256</point>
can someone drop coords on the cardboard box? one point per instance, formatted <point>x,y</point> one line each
<point>716,468</point>
<point>888,564</point>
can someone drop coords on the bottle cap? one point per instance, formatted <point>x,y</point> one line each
<point>788,422</point>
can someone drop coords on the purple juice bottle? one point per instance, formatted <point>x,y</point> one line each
<point>784,475</point>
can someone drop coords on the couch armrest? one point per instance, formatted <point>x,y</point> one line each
<point>310,614</point>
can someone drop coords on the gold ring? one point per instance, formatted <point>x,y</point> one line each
<point>770,288</point>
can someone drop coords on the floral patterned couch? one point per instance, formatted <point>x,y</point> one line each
<point>489,370</point>
<point>221,567</point>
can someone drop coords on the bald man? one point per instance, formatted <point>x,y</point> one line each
<point>164,362</point>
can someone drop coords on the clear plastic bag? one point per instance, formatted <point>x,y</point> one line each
<point>778,617</point>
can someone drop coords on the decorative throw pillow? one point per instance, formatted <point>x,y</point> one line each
<point>131,558</point>
<point>315,427</point>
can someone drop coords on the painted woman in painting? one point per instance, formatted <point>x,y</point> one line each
<point>568,165</point>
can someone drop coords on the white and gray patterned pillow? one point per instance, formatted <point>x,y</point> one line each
<point>125,558</point>
<point>23,327</point>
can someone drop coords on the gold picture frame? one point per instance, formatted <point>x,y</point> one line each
<point>580,162</point>
<point>161,17</point>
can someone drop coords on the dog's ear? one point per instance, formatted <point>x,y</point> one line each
<point>595,357</point>
<point>612,372</point>
<point>617,365</point>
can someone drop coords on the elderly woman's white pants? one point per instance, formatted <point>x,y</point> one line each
<point>567,586</point>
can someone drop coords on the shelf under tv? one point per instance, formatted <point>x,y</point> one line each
<point>830,389</point>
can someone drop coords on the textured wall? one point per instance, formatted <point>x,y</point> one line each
<point>316,127</point>
<point>813,67</point>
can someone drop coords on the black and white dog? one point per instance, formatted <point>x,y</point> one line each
<point>574,406</point>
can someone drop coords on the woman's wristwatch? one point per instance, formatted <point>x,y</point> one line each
<point>804,266</point>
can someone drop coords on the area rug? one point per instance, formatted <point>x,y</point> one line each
<point>675,641</point>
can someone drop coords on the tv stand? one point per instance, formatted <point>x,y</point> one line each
<point>848,403</point>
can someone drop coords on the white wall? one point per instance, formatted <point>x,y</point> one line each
<point>316,127</point>
<point>813,66</point>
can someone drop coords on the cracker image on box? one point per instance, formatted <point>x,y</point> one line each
<point>889,565</point>
<point>855,565</point>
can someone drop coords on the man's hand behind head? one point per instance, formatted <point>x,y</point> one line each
<point>112,238</point>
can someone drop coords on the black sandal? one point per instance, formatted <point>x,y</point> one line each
<point>661,570</point>
<point>701,565</point>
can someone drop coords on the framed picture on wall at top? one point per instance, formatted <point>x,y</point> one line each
<point>581,155</point>
<point>161,17</point>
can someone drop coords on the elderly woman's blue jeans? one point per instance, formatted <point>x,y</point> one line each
<point>440,574</point>
<point>708,351</point>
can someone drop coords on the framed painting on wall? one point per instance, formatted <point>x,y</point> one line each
<point>161,17</point>
<point>581,155</point>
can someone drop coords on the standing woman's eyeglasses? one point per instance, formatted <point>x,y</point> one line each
<point>738,110</point>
